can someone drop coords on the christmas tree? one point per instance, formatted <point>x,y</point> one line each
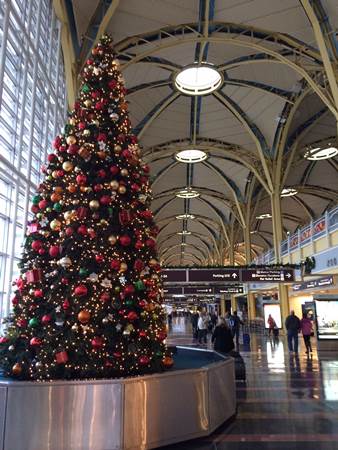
<point>88,300</point>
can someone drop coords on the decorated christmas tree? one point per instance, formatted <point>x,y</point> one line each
<point>88,300</point>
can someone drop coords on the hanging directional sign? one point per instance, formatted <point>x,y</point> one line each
<point>168,291</point>
<point>213,275</point>
<point>198,290</point>
<point>229,289</point>
<point>267,275</point>
<point>174,275</point>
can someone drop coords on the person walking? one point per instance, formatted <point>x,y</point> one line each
<point>292,325</point>
<point>307,330</point>
<point>222,337</point>
<point>235,323</point>
<point>194,323</point>
<point>272,324</point>
<point>202,326</point>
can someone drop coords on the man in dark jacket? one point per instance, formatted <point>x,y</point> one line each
<point>222,337</point>
<point>292,324</point>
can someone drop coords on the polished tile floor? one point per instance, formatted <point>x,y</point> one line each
<point>287,402</point>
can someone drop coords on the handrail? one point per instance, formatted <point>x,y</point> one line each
<point>314,230</point>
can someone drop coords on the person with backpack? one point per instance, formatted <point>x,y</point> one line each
<point>222,337</point>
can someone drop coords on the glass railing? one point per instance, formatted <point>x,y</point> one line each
<point>315,230</point>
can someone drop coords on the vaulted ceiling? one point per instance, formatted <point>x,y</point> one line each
<point>273,103</point>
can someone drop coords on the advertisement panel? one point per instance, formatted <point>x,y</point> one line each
<point>327,317</point>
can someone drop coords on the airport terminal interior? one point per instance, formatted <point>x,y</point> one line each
<point>168,224</point>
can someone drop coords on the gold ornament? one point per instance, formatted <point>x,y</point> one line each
<point>84,153</point>
<point>117,148</point>
<point>71,140</point>
<point>87,103</point>
<point>122,189</point>
<point>72,121</point>
<point>114,185</point>
<point>112,239</point>
<point>94,204</point>
<point>67,166</point>
<point>124,172</point>
<point>17,369</point>
<point>55,174</point>
<point>103,222</point>
<point>55,225</point>
<point>86,132</point>
<point>69,215</point>
<point>123,267</point>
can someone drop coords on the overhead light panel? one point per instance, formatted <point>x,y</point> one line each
<point>191,156</point>
<point>187,193</point>
<point>321,153</point>
<point>289,192</point>
<point>264,216</point>
<point>184,233</point>
<point>185,216</point>
<point>198,79</point>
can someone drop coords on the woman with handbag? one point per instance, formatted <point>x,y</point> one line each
<point>307,331</point>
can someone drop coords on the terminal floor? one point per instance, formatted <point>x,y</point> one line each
<point>287,402</point>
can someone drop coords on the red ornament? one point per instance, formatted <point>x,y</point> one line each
<point>98,187</point>
<point>105,297</point>
<point>34,209</point>
<point>102,137</point>
<point>92,233</point>
<point>142,303</point>
<point>112,84</point>
<point>152,294</point>
<point>150,243</point>
<point>81,290</point>
<point>64,281</point>
<point>57,142</point>
<point>114,170</point>
<point>61,357</point>
<point>138,265</point>
<point>36,245</point>
<point>82,230</point>
<point>131,316</point>
<point>82,212</point>
<point>144,360</point>
<point>46,319</point>
<point>125,240</point>
<point>124,217</point>
<point>146,214</point>
<point>105,200</point>
<point>22,323</point>
<point>117,355</point>
<point>82,125</point>
<point>135,187</point>
<point>43,204</point>
<point>3,340</point>
<point>95,94</point>
<point>38,293</point>
<point>33,276</point>
<point>54,251</point>
<point>129,290</point>
<point>81,179</point>
<point>126,154</point>
<point>15,300</point>
<point>101,173</point>
<point>73,149</point>
<point>60,173</point>
<point>42,251</point>
<point>99,106</point>
<point>69,231</point>
<point>51,157</point>
<point>138,244</point>
<point>142,333</point>
<point>133,139</point>
<point>162,335</point>
<point>115,264</point>
<point>99,258</point>
<point>62,148</point>
<point>146,168</point>
<point>97,342</point>
<point>35,342</point>
<point>66,304</point>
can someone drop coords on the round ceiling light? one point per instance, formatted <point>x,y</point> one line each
<point>184,232</point>
<point>191,156</point>
<point>185,216</point>
<point>264,216</point>
<point>319,153</point>
<point>288,192</point>
<point>198,79</point>
<point>187,193</point>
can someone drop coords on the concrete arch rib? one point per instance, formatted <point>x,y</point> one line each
<point>167,250</point>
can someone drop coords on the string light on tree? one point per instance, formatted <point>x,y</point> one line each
<point>88,300</point>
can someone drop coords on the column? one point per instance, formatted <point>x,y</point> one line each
<point>251,300</point>
<point>277,239</point>
<point>251,306</point>
<point>222,303</point>
<point>233,303</point>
